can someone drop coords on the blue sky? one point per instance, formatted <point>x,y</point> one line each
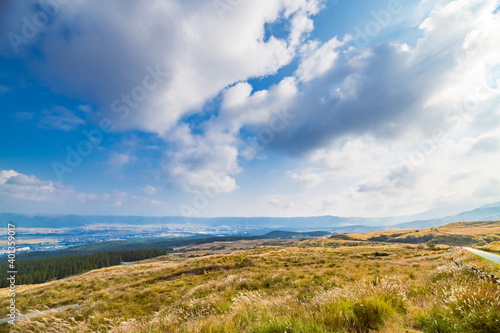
<point>249,108</point>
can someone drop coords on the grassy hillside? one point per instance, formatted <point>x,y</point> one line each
<point>493,247</point>
<point>455,234</point>
<point>312,285</point>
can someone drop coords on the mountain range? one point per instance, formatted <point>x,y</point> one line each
<point>334,224</point>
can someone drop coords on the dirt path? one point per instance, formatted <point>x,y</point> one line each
<point>436,255</point>
<point>40,313</point>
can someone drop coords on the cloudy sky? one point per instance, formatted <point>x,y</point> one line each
<point>249,107</point>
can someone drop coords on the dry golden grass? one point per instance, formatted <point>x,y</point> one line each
<point>315,285</point>
<point>472,232</point>
<point>491,247</point>
<point>468,228</point>
<point>366,236</point>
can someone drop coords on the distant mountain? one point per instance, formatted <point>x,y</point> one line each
<point>485,213</point>
<point>289,223</point>
<point>492,205</point>
<point>334,224</point>
<point>291,234</point>
<point>355,229</point>
<point>490,212</point>
<point>419,224</point>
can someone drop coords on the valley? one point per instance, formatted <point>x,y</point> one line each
<point>315,284</point>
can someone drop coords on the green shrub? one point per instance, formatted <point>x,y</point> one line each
<point>436,322</point>
<point>368,314</point>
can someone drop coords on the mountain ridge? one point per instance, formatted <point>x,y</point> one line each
<point>336,224</point>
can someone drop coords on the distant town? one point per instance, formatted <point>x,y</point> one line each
<point>51,239</point>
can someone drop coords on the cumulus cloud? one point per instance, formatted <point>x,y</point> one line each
<point>368,115</point>
<point>206,162</point>
<point>151,63</point>
<point>391,89</point>
<point>318,59</point>
<point>356,114</point>
<point>29,188</point>
<point>197,52</point>
<point>413,179</point>
<point>200,159</point>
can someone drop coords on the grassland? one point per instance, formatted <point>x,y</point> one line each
<point>312,285</point>
<point>455,234</point>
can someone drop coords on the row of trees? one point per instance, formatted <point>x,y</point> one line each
<point>40,270</point>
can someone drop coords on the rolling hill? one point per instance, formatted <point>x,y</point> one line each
<point>455,234</point>
<point>344,283</point>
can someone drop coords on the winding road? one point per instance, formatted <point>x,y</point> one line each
<point>486,255</point>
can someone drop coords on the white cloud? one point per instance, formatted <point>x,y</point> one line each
<point>311,178</point>
<point>26,189</point>
<point>409,182</point>
<point>317,60</point>
<point>280,203</point>
<point>201,53</point>
<point>150,190</point>
<point>57,117</point>
<point>372,107</point>
<point>201,159</point>
<point>358,114</point>
<point>207,162</point>
<point>85,108</point>
<point>60,118</point>
<point>120,159</point>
